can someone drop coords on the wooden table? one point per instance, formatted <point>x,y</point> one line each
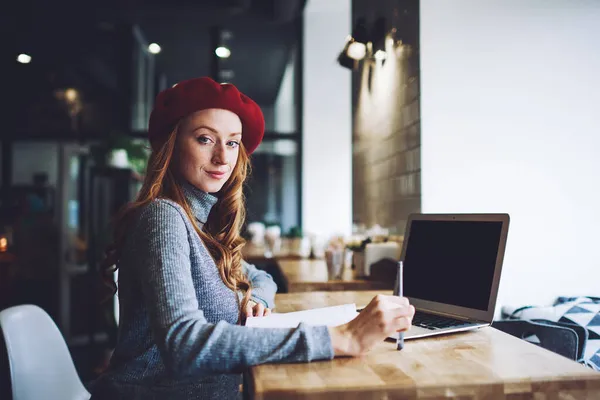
<point>255,254</point>
<point>485,364</point>
<point>306,275</point>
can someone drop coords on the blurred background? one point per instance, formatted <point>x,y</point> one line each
<point>374,109</point>
<point>81,82</point>
<point>82,78</point>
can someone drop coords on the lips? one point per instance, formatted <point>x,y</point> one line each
<point>216,174</point>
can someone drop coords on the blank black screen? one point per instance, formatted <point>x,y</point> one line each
<point>451,262</point>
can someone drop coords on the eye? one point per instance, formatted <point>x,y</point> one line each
<point>233,143</point>
<point>203,139</point>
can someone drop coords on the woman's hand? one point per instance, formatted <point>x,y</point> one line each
<point>383,317</point>
<point>254,309</point>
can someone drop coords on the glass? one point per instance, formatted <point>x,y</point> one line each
<point>335,262</point>
<point>272,241</point>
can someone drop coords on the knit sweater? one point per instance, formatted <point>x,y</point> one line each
<point>178,333</point>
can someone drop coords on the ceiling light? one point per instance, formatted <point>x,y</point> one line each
<point>71,94</point>
<point>24,58</point>
<point>222,52</point>
<point>154,48</point>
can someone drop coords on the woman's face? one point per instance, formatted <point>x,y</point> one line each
<point>207,148</point>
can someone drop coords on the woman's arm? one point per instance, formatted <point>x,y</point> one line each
<point>263,286</point>
<point>188,344</point>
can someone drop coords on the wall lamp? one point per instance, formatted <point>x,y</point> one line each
<point>357,43</point>
<point>364,42</point>
<point>355,48</point>
<point>378,38</point>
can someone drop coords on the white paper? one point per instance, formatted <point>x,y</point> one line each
<point>328,316</point>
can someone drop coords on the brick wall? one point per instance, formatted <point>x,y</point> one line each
<point>386,128</point>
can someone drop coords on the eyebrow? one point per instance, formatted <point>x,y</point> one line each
<point>214,130</point>
<point>204,127</point>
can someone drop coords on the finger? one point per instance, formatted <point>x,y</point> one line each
<point>259,310</point>
<point>396,300</point>
<point>388,317</point>
<point>400,312</point>
<point>376,302</point>
<point>267,311</point>
<point>387,302</point>
<point>402,324</point>
<point>405,321</point>
<point>249,310</point>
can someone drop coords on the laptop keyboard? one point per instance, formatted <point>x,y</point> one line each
<point>434,322</point>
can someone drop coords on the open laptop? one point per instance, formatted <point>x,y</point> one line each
<point>452,265</point>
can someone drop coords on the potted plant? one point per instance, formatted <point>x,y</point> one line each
<point>357,247</point>
<point>121,151</point>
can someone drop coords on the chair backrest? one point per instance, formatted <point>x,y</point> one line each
<point>41,366</point>
<point>562,340</point>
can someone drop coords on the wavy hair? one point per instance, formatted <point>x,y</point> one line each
<point>221,233</point>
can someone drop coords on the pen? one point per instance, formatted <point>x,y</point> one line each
<point>399,290</point>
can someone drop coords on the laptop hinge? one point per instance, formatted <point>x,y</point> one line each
<point>454,316</point>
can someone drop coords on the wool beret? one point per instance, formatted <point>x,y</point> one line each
<point>173,104</point>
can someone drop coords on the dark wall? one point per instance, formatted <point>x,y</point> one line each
<point>386,127</point>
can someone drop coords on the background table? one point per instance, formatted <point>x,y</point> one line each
<point>305,275</point>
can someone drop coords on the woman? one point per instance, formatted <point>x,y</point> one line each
<point>183,284</point>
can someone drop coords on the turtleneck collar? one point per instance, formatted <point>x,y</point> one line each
<point>200,202</point>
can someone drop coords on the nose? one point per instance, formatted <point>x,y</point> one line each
<point>219,156</point>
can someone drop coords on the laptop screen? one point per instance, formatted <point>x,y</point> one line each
<point>451,262</point>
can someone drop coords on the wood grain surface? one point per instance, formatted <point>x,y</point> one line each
<point>484,364</point>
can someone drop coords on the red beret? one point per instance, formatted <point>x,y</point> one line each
<point>197,94</point>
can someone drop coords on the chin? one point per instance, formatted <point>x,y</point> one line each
<point>209,187</point>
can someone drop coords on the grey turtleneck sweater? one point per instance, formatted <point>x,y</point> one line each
<point>178,332</point>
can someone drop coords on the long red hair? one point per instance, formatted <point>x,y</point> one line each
<point>221,233</point>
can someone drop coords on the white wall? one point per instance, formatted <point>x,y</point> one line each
<point>510,102</point>
<point>285,104</point>
<point>327,119</point>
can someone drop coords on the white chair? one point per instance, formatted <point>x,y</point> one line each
<point>41,366</point>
